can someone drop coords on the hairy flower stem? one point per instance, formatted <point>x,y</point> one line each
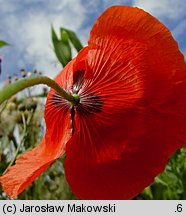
<point>19,85</point>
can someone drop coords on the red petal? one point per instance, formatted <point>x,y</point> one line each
<point>59,130</point>
<point>140,76</point>
<point>27,168</point>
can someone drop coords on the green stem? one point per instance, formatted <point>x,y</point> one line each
<point>19,85</point>
<point>3,107</point>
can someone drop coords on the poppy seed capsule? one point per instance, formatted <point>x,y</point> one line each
<point>11,106</point>
<point>21,107</point>
<point>15,77</point>
<point>35,71</point>
<point>9,79</point>
<point>31,104</point>
<point>13,99</point>
<point>45,90</point>
<point>26,113</point>
<point>131,82</point>
<point>19,118</point>
<point>29,74</point>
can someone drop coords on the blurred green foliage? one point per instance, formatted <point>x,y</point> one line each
<point>171,184</point>
<point>22,127</point>
<point>62,45</point>
<point>3,43</point>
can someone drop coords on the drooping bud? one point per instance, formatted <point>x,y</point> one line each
<point>22,72</point>
<point>29,74</point>
<point>15,77</point>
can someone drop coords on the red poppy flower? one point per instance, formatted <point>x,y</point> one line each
<point>131,81</point>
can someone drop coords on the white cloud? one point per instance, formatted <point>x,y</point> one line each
<point>109,3</point>
<point>171,13</point>
<point>28,29</point>
<point>179,30</point>
<point>172,9</point>
<point>7,7</point>
<point>26,24</point>
<point>184,53</point>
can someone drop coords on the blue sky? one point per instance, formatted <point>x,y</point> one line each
<point>26,25</point>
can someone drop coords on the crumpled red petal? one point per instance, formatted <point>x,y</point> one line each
<point>27,168</point>
<point>139,78</point>
<point>31,164</point>
<point>132,83</point>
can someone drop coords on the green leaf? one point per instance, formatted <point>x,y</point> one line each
<point>74,39</point>
<point>148,192</point>
<point>3,43</point>
<point>159,180</point>
<point>66,45</point>
<point>62,47</point>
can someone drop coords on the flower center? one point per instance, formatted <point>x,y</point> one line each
<point>87,102</point>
